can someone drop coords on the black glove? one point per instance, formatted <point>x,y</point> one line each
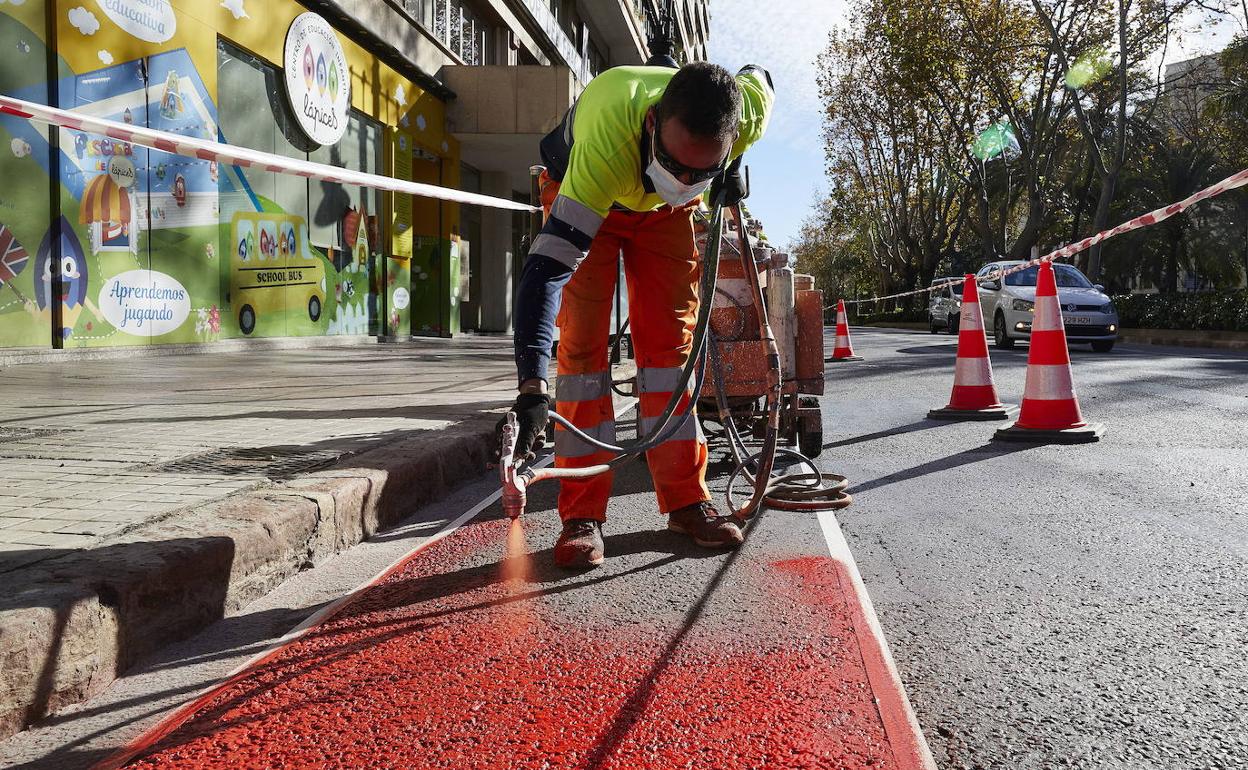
<point>731,184</point>
<point>532,411</point>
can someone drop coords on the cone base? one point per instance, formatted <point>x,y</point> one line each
<point>842,358</point>
<point>1002,412</point>
<point>1085,435</point>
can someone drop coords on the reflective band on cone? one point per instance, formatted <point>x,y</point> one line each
<point>974,393</point>
<point>1050,410</point>
<point>844,349</point>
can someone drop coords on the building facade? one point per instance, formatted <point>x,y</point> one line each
<point>109,244</point>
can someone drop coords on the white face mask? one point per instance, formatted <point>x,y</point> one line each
<point>670,189</point>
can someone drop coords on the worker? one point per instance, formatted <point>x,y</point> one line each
<point>625,171</point>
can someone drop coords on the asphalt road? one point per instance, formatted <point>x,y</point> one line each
<point>1047,607</point>
<point>1056,606</point>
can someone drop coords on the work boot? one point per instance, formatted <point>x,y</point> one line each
<point>579,544</point>
<point>708,527</point>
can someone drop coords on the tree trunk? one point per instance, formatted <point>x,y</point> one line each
<point>1170,278</point>
<point>987,250</point>
<point>1101,222</point>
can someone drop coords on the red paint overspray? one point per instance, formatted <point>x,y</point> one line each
<point>420,672</point>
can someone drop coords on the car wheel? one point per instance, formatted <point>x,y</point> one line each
<point>1103,346</point>
<point>954,321</point>
<point>314,308</point>
<point>246,319</point>
<point>999,335</point>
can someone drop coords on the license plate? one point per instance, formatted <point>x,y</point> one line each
<point>1078,320</point>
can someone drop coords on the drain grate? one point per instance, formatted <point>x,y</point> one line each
<point>275,462</point>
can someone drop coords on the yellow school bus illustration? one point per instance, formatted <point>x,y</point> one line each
<point>272,268</point>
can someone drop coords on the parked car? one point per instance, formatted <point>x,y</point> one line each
<point>1009,305</point>
<point>945,306</point>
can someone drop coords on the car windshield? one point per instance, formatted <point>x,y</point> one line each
<point>1067,277</point>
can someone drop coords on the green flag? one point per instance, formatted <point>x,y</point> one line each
<point>992,141</point>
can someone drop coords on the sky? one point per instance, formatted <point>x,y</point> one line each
<point>785,37</point>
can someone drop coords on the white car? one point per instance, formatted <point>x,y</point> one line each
<point>1009,306</point>
<point>945,307</point>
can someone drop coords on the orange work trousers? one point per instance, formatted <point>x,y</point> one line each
<point>662,270</point>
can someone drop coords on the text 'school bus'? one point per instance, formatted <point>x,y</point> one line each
<point>272,269</point>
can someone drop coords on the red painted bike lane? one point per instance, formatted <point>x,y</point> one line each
<point>463,656</point>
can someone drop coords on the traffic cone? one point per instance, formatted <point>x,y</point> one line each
<point>1050,411</point>
<point>974,394</point>
<point>844,350</point>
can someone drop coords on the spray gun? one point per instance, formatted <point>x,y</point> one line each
<point>517,479</point>
<point>515,482</point>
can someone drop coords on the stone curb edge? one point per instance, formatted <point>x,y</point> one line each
<point>79,621</point>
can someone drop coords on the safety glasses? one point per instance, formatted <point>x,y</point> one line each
<point>678,169</point>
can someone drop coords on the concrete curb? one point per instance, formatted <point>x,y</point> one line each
<point>74,623</point>
<point>1182,338</point>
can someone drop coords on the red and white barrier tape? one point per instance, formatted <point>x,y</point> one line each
<point>208,150</point>
<point>1147,220</point>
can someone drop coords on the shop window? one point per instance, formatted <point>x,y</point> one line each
<point>341,221</point>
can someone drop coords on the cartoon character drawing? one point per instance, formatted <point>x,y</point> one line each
<point>171,104</point>
<point>127,116</point>
<point>213,172</point>
<point>80,145</point>
<point>322,74</point>
<point>74,278</point>
<point>268,244</point>
<point>333,80</point>
<point>287,241</point>
<point>246,245</point>
<point>179,190</point>
<point>161,169</point>
<point>309,67</point>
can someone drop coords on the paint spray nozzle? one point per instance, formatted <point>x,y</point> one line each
<point>514,482</point>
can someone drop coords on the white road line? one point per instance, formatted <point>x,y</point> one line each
<point>900,725</point>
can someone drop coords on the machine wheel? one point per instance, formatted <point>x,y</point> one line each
<point>246,319</point>
<point>999,335</point>
<point>1103,346</point>
<point>810,431</point>
<point>314,308</point>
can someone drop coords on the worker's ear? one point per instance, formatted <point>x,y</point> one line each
<point>651,119</point>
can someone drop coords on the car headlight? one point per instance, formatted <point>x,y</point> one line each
<point>1023,306</point>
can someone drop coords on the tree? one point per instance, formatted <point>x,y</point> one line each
<point>1139,29</point>
<point>887,149</point>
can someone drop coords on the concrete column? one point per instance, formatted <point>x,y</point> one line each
<point>497,256</point>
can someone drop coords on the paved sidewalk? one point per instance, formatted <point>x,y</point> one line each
<point>91,449</point>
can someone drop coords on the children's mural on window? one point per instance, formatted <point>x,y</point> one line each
<point>143,246</point>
